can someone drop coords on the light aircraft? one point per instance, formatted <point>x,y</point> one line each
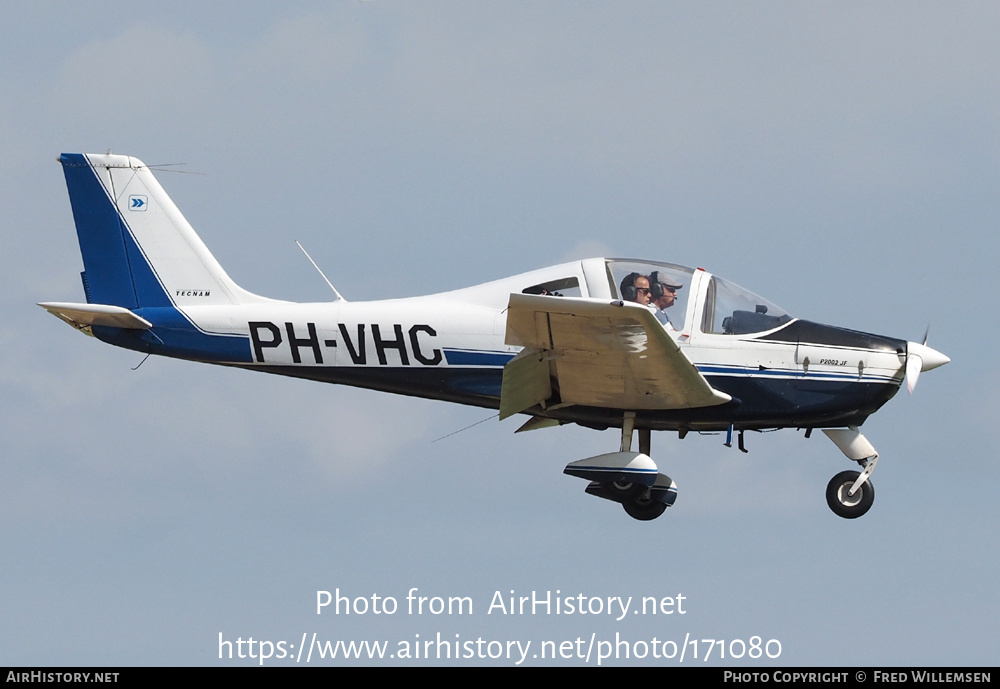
<point>567,344</point>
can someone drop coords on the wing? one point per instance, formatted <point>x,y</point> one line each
<point>596,353</point>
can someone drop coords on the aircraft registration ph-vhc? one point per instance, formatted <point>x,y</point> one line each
<point>581,342</point>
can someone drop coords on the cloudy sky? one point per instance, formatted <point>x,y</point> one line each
<point>840,159</point>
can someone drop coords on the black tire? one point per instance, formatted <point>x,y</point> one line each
<point>644,509</point>
<point>843,505</point>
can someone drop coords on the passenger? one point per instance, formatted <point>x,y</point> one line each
<point>635,287</point>
<point>663,294</point>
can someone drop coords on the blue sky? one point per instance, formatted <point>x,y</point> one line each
<point>841,160</point>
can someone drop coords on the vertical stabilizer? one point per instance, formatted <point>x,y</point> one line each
<point>138,250</point>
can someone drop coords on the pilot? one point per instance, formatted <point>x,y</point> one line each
<point>663,294</point>
<point>635,287</point>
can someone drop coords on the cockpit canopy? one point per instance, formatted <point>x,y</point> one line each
<point>714,305</point>
<point>728,309</point>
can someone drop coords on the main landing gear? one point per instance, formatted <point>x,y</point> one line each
<point>850,494</point>
<point>629,478</point>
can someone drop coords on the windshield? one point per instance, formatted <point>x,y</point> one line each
<point>732,310</point>
<point>664,287</point>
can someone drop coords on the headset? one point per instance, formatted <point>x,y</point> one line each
<point>628,290</point>
<point>655,286</point>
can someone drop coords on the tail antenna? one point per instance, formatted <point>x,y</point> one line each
<point>339,296</point>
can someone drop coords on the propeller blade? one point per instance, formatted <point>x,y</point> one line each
<point>920,357</point>
<point>914,365</point>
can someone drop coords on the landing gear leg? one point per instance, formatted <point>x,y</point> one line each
<point>625,489</point>
<point>628,425</point>
<point>644,434</point>
<point>850,494</point>
<point>644,506</point>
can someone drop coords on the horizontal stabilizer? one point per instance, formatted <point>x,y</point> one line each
<point>83,316</point>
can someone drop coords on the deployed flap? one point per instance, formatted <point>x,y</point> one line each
<point>83,316</point>
<point>536,422</point>
<point>606,354</point>
<point>525,383</point>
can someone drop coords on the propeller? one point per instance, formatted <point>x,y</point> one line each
<point>920,357</point>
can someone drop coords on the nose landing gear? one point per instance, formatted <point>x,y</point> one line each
<point>850,494</point>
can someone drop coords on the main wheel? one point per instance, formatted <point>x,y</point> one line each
<point>849,506</point>
<point>643,508</point>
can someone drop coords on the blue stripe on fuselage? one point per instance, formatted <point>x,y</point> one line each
<point>174,334</point>
<point>472,357</point>
<point>775,373</point>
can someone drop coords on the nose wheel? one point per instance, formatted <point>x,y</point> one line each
<point>850,493</point>
<point>840,499</point>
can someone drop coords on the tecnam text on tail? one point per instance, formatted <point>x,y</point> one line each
<point>582,342</point>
